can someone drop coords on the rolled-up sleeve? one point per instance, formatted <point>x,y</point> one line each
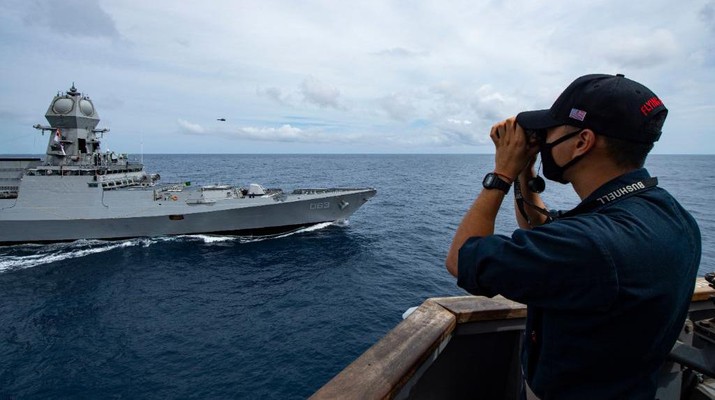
<point>562,265</point>
<point>471,255</point>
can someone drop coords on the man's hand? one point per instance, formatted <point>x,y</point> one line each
<point>513,150</point>
<point>514,153</point>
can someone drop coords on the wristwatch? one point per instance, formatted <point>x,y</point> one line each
<point>493,181</point>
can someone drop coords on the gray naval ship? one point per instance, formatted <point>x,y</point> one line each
<point>80,192</point>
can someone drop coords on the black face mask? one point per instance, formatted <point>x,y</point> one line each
<point>553,171</point>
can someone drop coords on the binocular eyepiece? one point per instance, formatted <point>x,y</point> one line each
<point>535,136</point>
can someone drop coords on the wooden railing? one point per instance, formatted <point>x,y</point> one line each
<point>384,369</point>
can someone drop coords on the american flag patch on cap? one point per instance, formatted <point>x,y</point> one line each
<point>577,114</point>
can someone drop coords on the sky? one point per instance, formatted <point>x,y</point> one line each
<point>342,76</point>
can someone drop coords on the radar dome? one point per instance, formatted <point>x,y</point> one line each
<point>62,105</point>
<point>86,107</point>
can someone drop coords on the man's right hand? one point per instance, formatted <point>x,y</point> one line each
<point>513,150</point>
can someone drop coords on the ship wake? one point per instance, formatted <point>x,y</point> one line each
<point>13,258</point>
<point>32,255</point>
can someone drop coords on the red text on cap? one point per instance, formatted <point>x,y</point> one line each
<point>651,105</point>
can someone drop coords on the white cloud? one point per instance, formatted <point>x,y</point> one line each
<point>459,122</point>
<point>285,133</point>
<point>191,128</point>
<point>444,134</point>
<point>71,17</point>
<point>707,15</point>
<point>320,93</point>
<point>632,50</point>
<point>394,73</point>
<point>275,94</point>
<point>460,132</point>
<point>398,106</point>
<point>401,52</point>
<point>478,105</point>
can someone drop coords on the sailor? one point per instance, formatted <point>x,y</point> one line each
<point>608,284</point>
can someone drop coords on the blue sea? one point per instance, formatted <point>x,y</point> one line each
<point>216,317</point>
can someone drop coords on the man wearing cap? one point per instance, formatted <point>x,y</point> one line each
<point>607,284</point>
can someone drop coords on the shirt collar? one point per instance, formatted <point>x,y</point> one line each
<point>620,181</point>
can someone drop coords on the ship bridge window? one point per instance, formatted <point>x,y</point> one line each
<point>82,144</point>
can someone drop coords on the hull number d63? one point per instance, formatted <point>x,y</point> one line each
<point>320,206</point>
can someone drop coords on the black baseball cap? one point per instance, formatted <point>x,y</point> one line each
<point>610,105</point>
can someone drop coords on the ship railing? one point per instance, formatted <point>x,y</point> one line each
<point>321,190</point>
<point>431,353</point>
<point>82,169</point>
<point>61,171</point>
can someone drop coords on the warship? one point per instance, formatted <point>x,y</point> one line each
<point>80,192</point>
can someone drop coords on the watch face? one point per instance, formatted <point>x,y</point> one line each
<point>492,181</point>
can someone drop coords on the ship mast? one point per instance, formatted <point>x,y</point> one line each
<point>73,137</point>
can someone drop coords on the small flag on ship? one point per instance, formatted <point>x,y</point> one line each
<point>58,139</point>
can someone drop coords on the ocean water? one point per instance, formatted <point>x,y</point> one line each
<point>216,317</point>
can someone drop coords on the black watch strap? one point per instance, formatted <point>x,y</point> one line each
<point>493,181</point>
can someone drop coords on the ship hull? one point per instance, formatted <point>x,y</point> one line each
<point>71,211</point>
